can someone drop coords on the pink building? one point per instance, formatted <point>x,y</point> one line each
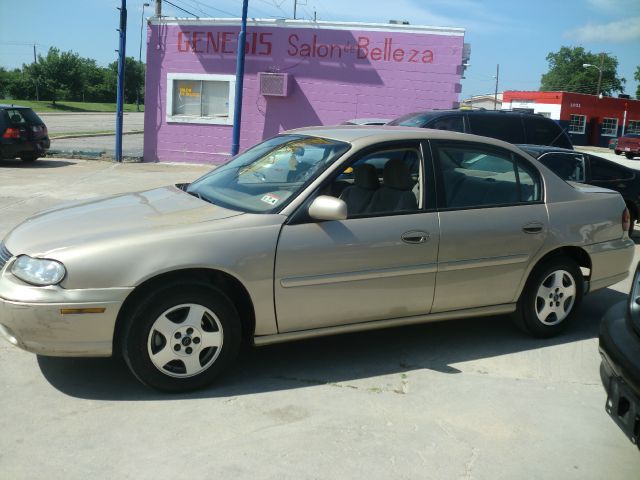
<point>297,73</point>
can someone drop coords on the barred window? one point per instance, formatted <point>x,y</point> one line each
<point>609,127</point>
<point>577,123</point>
<point>633,126</point>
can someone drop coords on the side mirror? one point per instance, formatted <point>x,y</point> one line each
<point>328,208</point>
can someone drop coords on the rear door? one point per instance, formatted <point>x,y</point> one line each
<point>492,223</point>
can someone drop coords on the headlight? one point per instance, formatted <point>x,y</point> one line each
<point>38,271</point>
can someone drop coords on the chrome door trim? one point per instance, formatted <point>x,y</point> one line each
<point>358,275</point>
<point>395,322</point>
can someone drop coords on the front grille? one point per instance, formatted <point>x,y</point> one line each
<point>5,255</point>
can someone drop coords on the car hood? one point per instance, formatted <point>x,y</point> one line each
<point>111,218</point>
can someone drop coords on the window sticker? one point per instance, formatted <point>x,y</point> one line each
<point>270,199</point>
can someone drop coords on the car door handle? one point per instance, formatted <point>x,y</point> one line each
<point>533,227</point>
<point>415,236</point>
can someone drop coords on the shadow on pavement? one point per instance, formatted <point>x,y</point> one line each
<point>332,360</point>
<point>40,163</point>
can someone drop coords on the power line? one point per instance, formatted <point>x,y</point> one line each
<point>180,8</point>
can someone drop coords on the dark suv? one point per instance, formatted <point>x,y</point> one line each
<point>507,125</point>
<point>22,133</point>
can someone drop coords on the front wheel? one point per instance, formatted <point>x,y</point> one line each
<point>181,337</point>
<point>550,297</point>
<point>617,152</point>
<point>629,155</point>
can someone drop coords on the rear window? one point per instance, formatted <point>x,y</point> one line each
<point>541,131</point>
<point>23,116</point>
<point>412,120</point>
<point>501,126</point>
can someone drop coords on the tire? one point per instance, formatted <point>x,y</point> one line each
<point>629,155</point>
<point>557,281</point>
<point>29,157</point>
<point>632,222</point>
<point>181,338</point>
<point>617,152</point>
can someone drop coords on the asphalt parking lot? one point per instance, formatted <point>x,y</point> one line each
<point>471,399</point>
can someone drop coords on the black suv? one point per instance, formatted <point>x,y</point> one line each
<point>510,126</point>
<point>22,133</point>
<point>620,367</point>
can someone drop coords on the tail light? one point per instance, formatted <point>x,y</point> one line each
<point>11,133</point>
<point>626,220</point>
<point>44,129</point>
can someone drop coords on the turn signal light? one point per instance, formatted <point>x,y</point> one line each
<point>626,220</point>
<point>11,133</point>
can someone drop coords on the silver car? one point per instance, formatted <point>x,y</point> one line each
<point>313,232</point>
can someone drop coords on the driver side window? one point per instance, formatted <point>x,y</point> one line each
<point>383,182</point>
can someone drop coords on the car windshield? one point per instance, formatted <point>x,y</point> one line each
<point>265,177</point>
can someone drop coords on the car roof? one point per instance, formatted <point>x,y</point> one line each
<point>369,134</point>
<point>7,105</point>
<point>477,111</point>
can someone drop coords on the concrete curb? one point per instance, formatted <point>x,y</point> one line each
<point>83,135</point>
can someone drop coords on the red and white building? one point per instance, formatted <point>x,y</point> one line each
<point>589,120</point>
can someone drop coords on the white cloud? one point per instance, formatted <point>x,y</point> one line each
<point>619,31</point>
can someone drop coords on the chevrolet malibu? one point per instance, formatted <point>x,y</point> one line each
<point>316,231</point>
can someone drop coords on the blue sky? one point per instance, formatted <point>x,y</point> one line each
<point>516,34</point>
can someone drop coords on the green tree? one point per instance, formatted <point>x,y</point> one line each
<point>567,73</point>
<point>60,75</point>
<point>134,79</point>
<point>637,77</point>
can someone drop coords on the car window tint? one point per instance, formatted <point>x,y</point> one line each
<point>476,176</point>
<point>16,117</point>
<point>568,166</point>
<point>453,123</point>
<point>604,170</point>
<point>541,131</point>
<point>507,127</point>
<point>386,181</point>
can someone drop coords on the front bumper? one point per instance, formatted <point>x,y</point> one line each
<point>620,370</point>
<point>54,321</point>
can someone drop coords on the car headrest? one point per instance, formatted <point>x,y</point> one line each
<point>365,176</point>
<point>397,175</point>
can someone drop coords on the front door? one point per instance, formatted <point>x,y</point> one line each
<point>380,263</point>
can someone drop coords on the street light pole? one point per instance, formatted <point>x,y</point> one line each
<point>587,65</point>
<point>140,56</point>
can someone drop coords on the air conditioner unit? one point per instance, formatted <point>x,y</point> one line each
<point>273,84</point>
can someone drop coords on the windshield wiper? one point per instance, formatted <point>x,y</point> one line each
<point>200,196</point>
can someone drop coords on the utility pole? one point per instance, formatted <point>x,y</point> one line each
<point>35,60</point>
<point>121,62</point>
<point>237,109</point>
<point>295,6</point>
<point>158,8</point>
<point>495,95</point>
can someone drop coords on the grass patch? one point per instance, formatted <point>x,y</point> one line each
<point>46,106</point>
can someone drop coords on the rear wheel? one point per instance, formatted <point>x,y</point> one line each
<point>181,338</point>
<point>29,157</point>
<point>550,298</point>
<point>629,155</point>
<point>617,152</point>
